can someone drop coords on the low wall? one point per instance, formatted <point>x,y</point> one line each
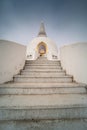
<point>74,61</point>
<point>12,59</point>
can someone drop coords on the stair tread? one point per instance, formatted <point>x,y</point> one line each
<point>65,100</point>
<point>44,71</point>
<point>35,85</point>
<point>27,76</point>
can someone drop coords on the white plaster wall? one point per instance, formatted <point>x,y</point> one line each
<point>74,60</point>
<point>12,59</point>
<point>52,48</point>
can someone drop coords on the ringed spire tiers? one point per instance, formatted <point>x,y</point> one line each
<point>42,32</point>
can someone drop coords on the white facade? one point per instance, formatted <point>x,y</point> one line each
<point>12,59</point>
<point>51,48</point>
<point>32,51</point>
<point>74,61</point>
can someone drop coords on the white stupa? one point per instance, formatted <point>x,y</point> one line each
<point>42,46</point>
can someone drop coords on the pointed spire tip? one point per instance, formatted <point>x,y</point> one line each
<point>42,32</point>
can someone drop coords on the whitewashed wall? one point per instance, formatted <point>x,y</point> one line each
<point>74,60</point>
<point>12,59</point>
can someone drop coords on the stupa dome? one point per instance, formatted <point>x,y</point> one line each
<point>42,44</point>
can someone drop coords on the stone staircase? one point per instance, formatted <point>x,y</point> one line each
<point>43,71</point>
<point>42,91</point>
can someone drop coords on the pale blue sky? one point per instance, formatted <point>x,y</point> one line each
<point>65,20</point>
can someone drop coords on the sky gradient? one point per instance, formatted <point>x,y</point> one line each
<point>65,20</point>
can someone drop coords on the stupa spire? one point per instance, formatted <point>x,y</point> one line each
<point>42,32</point>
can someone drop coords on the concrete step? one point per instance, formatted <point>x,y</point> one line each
<point>43,70</point>
<point>42,85</point>
<point>54,100</point>
<point>47,60</point>
<point>57,106</point>
<point>43,67</point>
<point>42,57</point>
<point>43,74</point>
<point>48,124</point>
<point>27,79</point>
<point>41,90</point>
<point>43,60</point>
<point>43,64</point>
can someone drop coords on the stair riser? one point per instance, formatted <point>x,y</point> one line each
<point>45,70</point>
<point>25,91</point>
<point>43,85</point>
<point>43,74</point>
<point>44,62</point>
<point>52,113</point>
<point>43,59</point>
<point>78,124</point>
<point>42,67</point>
<point>46,80</point>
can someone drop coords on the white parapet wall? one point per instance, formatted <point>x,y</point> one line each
<point>74,60</point>
<point>12,59</point>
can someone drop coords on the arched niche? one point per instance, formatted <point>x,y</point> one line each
<point>42,48</point>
